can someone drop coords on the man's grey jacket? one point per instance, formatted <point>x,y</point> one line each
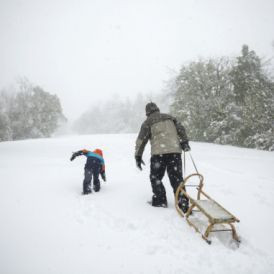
<point>164,132</point>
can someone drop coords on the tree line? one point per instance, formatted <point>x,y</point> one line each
<point>219,100</point>
<point>115,115</point>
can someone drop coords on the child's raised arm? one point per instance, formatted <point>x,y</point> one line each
<point>76,154</point>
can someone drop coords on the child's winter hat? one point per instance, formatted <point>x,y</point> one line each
<point>98,151</point>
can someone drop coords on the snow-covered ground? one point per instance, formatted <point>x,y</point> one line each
<point>46,226</point>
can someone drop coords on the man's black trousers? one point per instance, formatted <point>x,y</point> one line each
<point>172,163</point>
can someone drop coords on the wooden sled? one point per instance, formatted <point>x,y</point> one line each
<point>214,212</point>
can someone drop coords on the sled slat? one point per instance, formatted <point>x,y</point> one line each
<point>214,211</point>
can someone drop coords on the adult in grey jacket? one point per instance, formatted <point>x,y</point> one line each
<point>167,138</point>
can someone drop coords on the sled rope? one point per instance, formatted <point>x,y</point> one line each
<point>193,162</point>
<point>184,165</point>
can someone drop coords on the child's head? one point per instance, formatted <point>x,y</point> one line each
<point>98,151</point>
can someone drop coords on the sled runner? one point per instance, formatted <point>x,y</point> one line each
<point>217,218</point>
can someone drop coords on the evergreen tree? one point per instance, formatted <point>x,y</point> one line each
<point>254,95</point>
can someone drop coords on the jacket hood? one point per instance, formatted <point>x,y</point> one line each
<point>150,108</point>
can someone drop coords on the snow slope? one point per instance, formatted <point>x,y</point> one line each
<point>48,227</point>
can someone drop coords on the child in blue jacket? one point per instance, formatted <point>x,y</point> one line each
<point>95,166</point>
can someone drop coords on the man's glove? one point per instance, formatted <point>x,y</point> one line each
<point>185,146</point>
<point>103,175</point>
<point>139,162</point>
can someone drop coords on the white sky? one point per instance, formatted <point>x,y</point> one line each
<point>85,51</point>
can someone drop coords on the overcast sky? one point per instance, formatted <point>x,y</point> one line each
<point>85,51</point>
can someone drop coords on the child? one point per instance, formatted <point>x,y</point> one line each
<point>95,165</point>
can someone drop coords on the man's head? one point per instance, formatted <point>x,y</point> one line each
<point>150,108</point>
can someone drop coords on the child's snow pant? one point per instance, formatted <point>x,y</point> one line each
<point>172,163</point>
<point>92,170</point>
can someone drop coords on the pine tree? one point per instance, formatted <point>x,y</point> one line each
<point>254,95</point>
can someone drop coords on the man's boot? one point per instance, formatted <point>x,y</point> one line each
<point>158,201</point>
<point>183,203</point>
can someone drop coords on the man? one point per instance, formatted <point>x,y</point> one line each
<point>168,138</point>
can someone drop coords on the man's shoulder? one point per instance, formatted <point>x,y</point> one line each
<point>145,123</point>
<point>156,118</point>
<point>167,116</point>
